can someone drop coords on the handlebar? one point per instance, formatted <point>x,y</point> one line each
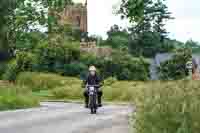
<point>92,85</point>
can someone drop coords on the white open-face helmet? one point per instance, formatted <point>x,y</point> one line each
<point>92,68</point>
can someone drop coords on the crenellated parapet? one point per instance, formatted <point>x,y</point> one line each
<point>75,15</point>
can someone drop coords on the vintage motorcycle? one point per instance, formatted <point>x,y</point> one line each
<point>93,102</point>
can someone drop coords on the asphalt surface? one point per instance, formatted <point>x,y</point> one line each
<point>66,118</point>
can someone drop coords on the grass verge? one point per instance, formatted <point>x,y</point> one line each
<point>16,97</point>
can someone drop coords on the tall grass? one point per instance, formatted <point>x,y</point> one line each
<point>44,81</point>
<point>16,97</point>
<point>168,107</point>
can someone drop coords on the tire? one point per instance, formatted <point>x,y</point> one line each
<point>95,111</point>
<point>92,112</point>
<point>93,104</point>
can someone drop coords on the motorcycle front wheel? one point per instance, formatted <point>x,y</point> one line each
<point>93,105</point>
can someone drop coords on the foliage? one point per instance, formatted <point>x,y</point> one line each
<point>62,57</point>
<point>167,107</point>
<point>148,44</point>
<point>74,69</point>
<point>117,38</point>
<point>28,41</point>
<point>53,56</point>
<point>23,62</point>
<point>6,12</point>
<point>195,46</point>
<point>175,68</point>
<point>124,67</point>
<point>43,81</point>
<point>3,67</point>
<point>11,71</point>
<point>148,33</point>
<point>16,97</point>
<point>68,91</point>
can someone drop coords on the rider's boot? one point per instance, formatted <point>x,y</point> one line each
<point>86,102</point>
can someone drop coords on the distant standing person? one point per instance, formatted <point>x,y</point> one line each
<point>195,71</point>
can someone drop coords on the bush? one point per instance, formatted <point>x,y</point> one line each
<point>44,81</point>
<point>120,65</point>
<point>69,92</point>
<point>125,67</point>
<point>51,56</point>
<point>3,67</point>
<point>74,69</point>
<point>166,107</point>
<point>16,97</point>
<point>110,81</point>
<point>175,68</point>
<point>11,71</point>
<point>25,60</point>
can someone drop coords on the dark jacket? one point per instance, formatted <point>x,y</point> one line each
<point>93,80</point>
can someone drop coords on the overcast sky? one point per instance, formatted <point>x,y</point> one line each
<point>185,26</point>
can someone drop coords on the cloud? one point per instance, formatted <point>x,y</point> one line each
<point>184,27</point>
<point>187,19</point>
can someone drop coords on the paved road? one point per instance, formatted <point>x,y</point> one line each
<point>65,118</point>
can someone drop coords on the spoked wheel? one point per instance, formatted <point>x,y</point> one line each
<point>93,105</point>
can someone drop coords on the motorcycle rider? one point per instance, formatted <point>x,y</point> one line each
<point>92,79</point>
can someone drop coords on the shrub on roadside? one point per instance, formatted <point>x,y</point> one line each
<point>68,92</point>
<point>11,71</point>
<point>39,81</point>
<point>175,68</point>
<point>16,97</point>
<point>44,81</point>
<point>74,69</point>
<point>110,81</point>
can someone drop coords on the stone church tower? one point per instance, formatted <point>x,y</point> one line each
<point>75,15</point>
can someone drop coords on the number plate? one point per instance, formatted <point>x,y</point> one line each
<point>91,88</point>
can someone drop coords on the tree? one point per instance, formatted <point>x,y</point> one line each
<point>6,11</point>
<point>148,31</point>
<point>30,21</point>
<point>117,37</point>
<point>175,68</point>
<point>195,46</point>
